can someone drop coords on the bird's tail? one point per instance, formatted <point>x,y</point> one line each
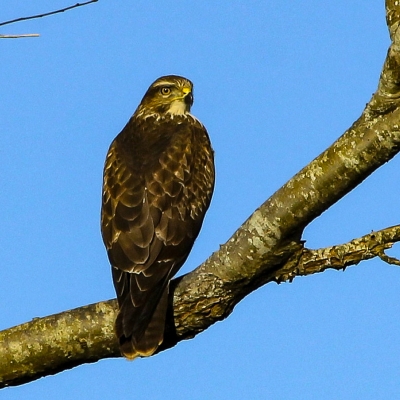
<point>140,329</point>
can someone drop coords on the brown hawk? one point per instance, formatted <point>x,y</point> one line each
<point>157,186</point>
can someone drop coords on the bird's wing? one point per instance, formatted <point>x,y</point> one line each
<point>152,212</point>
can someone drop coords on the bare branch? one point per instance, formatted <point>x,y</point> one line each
<point>24,35</point>
<point>23,346</point>
<point>48,13</point>
<point>339,257</point>
<point>86,334</point>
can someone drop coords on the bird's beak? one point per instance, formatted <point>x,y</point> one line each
<point>188,96</point>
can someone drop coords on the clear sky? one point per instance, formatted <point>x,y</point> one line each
<point>276,82</point>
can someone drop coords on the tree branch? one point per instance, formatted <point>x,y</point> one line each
<point>24,35</point>
<point>46,346</point>
<point>266,248</point>
<point>47,14</point>
<point>308,262</point>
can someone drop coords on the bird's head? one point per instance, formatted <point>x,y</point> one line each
<point>169,94</point>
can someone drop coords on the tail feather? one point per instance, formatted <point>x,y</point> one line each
<point>141,329</point>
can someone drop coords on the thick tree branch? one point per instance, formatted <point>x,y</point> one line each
<point>267,247</point>
<point>51,344</point>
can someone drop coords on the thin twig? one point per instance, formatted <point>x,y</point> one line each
<point>47,14</point>
<point>24,35</point>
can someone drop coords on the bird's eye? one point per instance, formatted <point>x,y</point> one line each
<point>165,90</point>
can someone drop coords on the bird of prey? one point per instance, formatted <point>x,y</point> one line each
<point>157,186</point>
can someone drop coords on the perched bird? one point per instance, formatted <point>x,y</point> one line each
<point>157,186</point>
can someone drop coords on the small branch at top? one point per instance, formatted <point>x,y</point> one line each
<point>24,35</point>
<point>45,14</point>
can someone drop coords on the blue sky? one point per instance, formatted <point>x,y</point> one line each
<point>275,84</point>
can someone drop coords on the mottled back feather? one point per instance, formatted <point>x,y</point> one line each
<point>158,182</point>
